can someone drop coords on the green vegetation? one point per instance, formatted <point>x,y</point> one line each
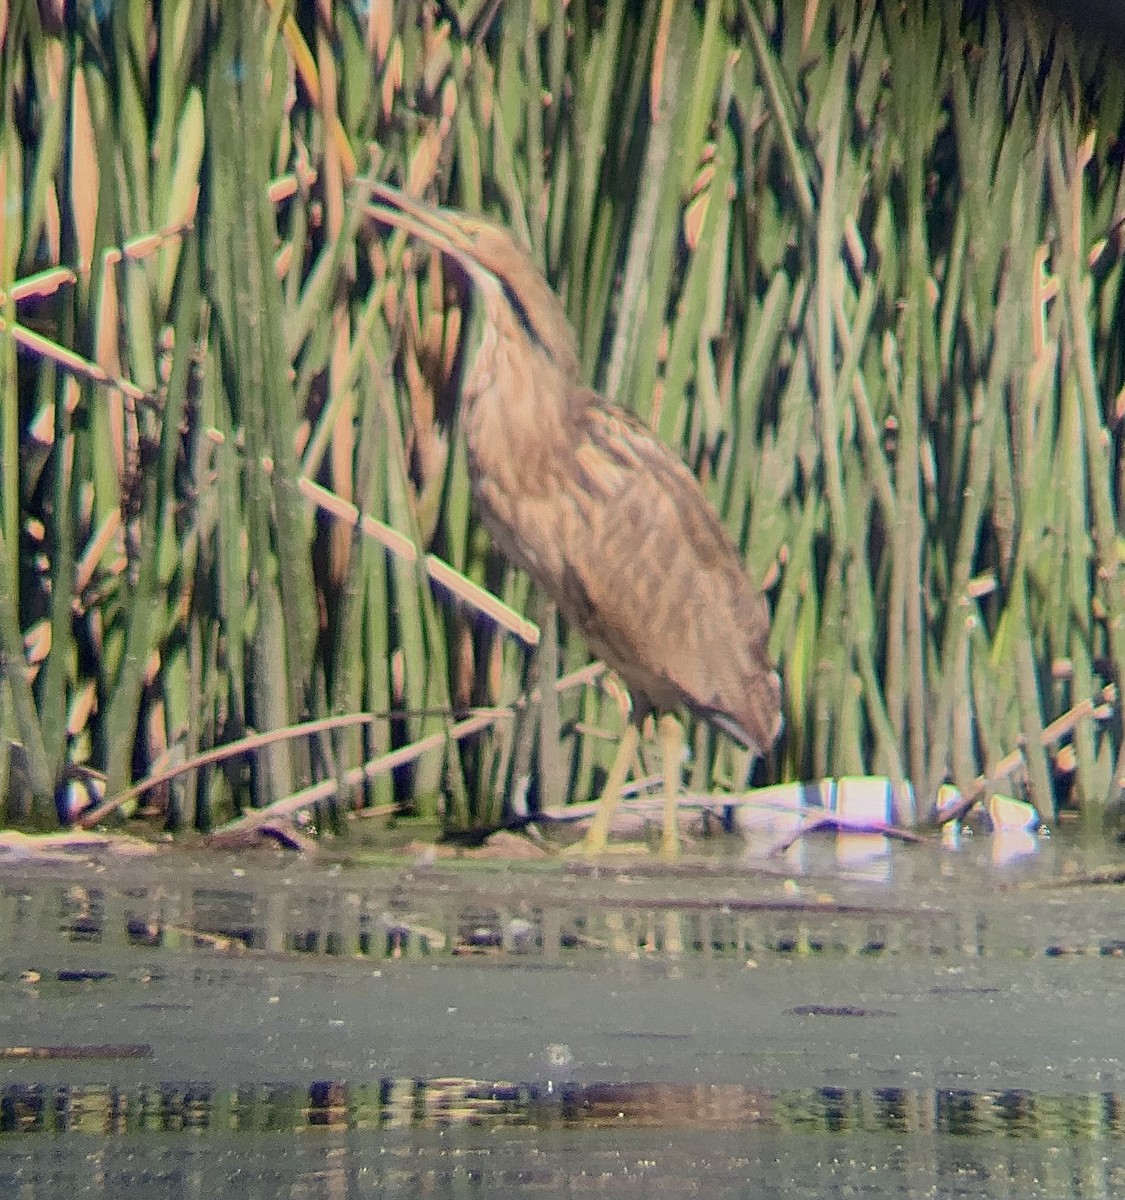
<point>860,263</point>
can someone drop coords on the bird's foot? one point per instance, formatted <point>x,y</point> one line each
<point>597,847</point>
<point>596,843</point>
<point>670,844</point>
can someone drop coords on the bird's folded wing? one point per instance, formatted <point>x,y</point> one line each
<point>657,586</point>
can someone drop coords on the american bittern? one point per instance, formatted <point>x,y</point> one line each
<point>598,511</point>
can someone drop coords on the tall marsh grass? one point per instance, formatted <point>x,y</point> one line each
<point>861,264</point>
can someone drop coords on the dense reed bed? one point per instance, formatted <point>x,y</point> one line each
<point>861,264</point>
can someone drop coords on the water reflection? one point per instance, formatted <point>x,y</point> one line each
<point>351,923</point>
<point>385,1104</point>
<point>405,1138</point>
<point>44,920</point>
<point>137,1011</point>
<point>558,1163</point>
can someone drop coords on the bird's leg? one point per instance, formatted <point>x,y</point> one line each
<point>552,776</point>
<point>672,752</point>
<point>598,834</point>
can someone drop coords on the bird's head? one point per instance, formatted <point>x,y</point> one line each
<point>513,293</point>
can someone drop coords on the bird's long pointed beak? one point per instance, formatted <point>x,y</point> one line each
<point>498,269</point>
<point>437,228</point>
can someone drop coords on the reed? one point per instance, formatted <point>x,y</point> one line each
<point>861,264</point>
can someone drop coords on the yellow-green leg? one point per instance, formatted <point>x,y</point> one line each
<point>671,752</point>
<point>598,834</point>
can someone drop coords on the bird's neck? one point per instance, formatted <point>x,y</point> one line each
<point>516,409</point>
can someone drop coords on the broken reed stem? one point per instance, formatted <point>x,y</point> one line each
<point>386,762</point>
<point>246,745</point>
<point>1012,761</point>
<point>437,569</point>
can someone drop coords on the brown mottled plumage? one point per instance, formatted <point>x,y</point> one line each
<point>598,511</point>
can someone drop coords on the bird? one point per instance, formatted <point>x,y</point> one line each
<point>598,511</point>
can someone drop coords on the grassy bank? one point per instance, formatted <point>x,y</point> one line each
<point>859,263</point>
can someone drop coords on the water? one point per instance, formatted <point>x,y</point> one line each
<point>916,1023</point>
